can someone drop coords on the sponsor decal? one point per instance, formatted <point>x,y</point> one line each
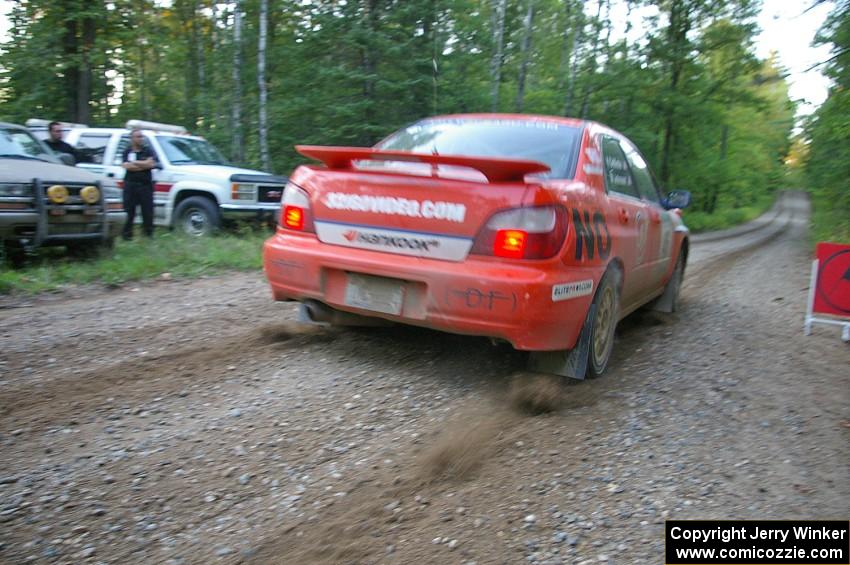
<point>449,211</point>
<point>565,291</point>
<point>434,246</point>
<point>384,240</point>
<point>477,298</point>
<point>592,235</point>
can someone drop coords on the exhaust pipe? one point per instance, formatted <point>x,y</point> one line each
<point>315,312</point>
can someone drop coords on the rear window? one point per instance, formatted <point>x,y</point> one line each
<point>553,144</point>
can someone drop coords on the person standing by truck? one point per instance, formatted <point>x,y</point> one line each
<point>138,160</point>
<point>57,144</point>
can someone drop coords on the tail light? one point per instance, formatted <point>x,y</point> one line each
<point>295,213</point>
<point>523,233</point>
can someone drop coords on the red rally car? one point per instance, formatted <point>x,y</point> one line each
<point>540,231</point>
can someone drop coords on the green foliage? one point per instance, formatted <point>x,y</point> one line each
<point>178,255</point>
<point>828,165</point>
<point>725,217</point>
<point>708,115</point>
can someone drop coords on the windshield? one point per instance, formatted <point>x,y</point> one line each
<point>16,143</point>
<point>553,144</point>
<point>190,151</point>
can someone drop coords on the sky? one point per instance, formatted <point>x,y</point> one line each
<point>788,27</point>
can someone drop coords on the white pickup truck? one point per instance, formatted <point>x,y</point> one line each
<point>195,187</point>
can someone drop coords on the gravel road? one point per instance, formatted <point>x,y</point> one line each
<point>196,422</point>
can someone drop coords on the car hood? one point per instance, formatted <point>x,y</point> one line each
<point>25,170</point>
<point>214,171</point>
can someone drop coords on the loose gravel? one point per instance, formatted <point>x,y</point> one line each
<point>196,422</point>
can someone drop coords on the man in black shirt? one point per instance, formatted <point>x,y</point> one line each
<point>138,161</point>
<point>54,141</point>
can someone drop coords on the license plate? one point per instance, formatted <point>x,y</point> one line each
<point>377,294</point>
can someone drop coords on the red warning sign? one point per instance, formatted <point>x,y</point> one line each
<point>832,286</point>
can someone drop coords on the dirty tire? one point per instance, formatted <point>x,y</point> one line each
<point>607,302</point>
<point>674,285</point>
<point>197,216</point>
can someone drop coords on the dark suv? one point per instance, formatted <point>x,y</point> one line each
<point>44,202</point>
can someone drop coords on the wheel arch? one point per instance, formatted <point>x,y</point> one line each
<point>184,193</point>
<point>617,264</point>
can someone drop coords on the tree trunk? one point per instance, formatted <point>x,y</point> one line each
<point>566,46</point>
<point>578,30</point>
<point>69,48</point>
<point>261,83</point>
<point>237,150</point>
<point>84,83</point>
<point>368,61</point>
<point>498,45</point>
<point>525,55</point>
<point>143,91</point>
<point>591,62</point>
<point>677,34</point>
<point>201,92</point>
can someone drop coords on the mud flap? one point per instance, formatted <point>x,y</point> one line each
<point>570,363</point>
<point>666,301</point>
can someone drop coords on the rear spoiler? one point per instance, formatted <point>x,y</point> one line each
<point>496,169</point>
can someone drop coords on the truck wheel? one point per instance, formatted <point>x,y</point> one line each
<point>13,254</point>
<point>197,216</point>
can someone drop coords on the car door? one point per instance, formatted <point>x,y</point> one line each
<point>658,242</point>
<point>628,212</point>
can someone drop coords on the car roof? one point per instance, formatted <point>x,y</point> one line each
<point>575,122</point>
<point>112,131</point>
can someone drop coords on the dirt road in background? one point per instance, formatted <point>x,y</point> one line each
<point>196,422</point>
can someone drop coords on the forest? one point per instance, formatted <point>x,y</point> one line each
<point>679,77</point>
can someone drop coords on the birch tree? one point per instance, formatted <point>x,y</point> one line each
<point>237,146</point>
<point>262,86</point>
<point>498,45</point>
<point>525,54</point>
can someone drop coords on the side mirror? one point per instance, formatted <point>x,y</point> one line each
<point>677,199</point>
<point>67,159</point>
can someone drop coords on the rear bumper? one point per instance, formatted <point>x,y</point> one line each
<point>479,296</point>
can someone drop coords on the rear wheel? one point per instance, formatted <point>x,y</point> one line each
<point>607,302</point>
<point>197,216</point>
<point>592,350</point>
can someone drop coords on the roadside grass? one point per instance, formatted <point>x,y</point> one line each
<point>829,222</point>
<point>176,254</point>
<point>725,217</point>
